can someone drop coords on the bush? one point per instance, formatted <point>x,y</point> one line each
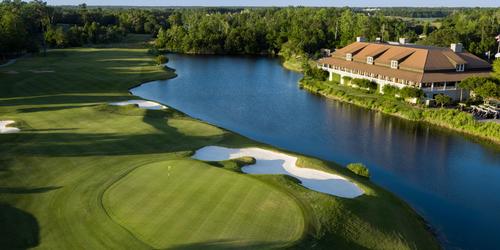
<point>390,90</point>
<point>442,99</point>
<point>161,59</point>
<point>364,83</point>
<point>314,72</point>
<point>409,92</point>
<point>335,78</point>
<point>359,169</point>
<point>347,79</point>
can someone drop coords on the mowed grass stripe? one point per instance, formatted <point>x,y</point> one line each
<point>215,205</point>
<point>211,220</point>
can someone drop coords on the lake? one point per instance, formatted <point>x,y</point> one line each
<point>451,180</point>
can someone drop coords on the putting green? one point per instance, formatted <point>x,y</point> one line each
<point>217,206</point>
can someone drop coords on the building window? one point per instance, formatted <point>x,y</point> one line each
<point>369,60</point>
<point>394,64</point>
<point>460,67</point>
<point>348,57</point>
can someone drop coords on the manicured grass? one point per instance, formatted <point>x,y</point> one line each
<point>62,177</point>
<point>187,202</point>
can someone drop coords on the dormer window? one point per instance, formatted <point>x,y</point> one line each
<point>460,67</point>
<point>348,57</point>
<point>394,64</point>
<point>369,60</point>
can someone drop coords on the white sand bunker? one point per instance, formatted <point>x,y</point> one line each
<point>141,103</point>
<point>7,130</point>
<point>270,162</point>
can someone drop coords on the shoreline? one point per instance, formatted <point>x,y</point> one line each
<point>495,141</point>
<point>131,137</point>
<point>426,224</point>
<point>472,135</point>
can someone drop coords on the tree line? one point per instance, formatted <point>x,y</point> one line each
<point>290,31</point>
<point>32,26</point>
<point>296,30</point>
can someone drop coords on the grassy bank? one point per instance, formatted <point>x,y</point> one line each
<point>293,64</point>
<point>85,174</point>
<point>447,118</point>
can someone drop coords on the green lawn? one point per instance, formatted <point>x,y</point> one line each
<point>216,206</point>
<point>83,174</point>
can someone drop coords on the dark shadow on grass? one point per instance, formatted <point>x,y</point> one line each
<point>166,139</point>
<point>49,129</point>
<point>63,99</point>
<point>23,190</point>
<point>56,108</point>
<point>229,244</point>
<point>18,229</point>
<point>73,144</point>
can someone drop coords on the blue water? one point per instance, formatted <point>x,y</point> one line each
<point>452,181</point>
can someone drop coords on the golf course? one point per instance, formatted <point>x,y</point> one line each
<point>84,174</point>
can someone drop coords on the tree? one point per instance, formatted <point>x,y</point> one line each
<point>314,72</point>
<point>488,89</point>
<point>472,82</point>
<point>161,59</point>
<point>442,99</point>
<point>390,90</point>
<point>496,69</point>
<point>484,87</point>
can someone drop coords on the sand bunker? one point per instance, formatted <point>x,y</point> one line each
<point>270,162</point>
<point>141,103</point>
<point>7,130</point>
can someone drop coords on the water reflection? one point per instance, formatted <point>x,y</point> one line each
<point>451,180</point>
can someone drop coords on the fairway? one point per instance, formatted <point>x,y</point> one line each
<point>85,174</point>
<point>187,202</point>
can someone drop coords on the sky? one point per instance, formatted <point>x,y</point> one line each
<point>333,3</point>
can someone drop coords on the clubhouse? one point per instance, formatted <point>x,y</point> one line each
<point>435,70</point>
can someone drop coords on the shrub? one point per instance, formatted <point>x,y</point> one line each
<point>364,83</point>
<point>161,59</point>
<point>409,92</point>
<point>347,79</point>
<point>390,90</point>
<point>359,169</point>
<point>335,78</point>
<point>442,99</point>
<point>314,72</point>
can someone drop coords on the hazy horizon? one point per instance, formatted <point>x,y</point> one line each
<point>281,3</point>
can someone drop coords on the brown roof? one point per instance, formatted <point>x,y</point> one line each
<point>416,63</point>
<point>375,69</point>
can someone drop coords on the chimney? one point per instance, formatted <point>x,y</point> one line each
<point>403,40</point>
<point>360,39</point>
<point>457,47</point>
